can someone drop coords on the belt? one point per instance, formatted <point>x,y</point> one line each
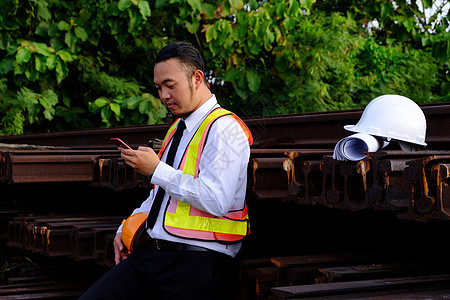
<point>168,245</point>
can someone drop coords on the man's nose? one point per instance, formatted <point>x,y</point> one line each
<point>164,94</point>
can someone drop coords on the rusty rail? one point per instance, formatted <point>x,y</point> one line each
<point>80,238</point>
<point>112,172</point>
<point>27,166</point>
<point>309,130</point>
<point>426,287</point>
<point>49,279</point>
<point>414,184</point>
<point>342,275</point>
<point>290,164</point>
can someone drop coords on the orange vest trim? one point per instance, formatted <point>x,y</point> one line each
<point>185,221</point>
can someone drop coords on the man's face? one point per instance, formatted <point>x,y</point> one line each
<point>173,87</point>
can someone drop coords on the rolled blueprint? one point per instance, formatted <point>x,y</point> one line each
<point>353,147</point>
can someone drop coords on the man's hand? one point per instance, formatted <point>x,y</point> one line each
<point>120,252</point>
<point>144,160</point>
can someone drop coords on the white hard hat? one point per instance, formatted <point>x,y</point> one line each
<point>393,117</point>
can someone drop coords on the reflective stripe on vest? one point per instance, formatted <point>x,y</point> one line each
<point>183,220</point>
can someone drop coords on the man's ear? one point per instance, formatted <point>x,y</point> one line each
<point>198,78</point>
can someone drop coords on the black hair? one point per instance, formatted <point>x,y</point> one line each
<point>189,56</point>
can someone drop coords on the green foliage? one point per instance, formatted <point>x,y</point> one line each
<point>145,109</point>
<point>414,47</point>
<point>82,64</point>
<point>392,69</point>
<point>58,57</point>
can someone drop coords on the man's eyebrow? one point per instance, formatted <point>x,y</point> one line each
<point>164,81</point>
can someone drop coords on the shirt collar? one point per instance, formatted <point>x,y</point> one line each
<point>198,115</point>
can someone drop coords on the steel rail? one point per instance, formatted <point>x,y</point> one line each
<point>27,166</point>
<point>290,161</point>
<point>310,130</point>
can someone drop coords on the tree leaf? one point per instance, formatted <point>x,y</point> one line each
<point>211,33</point>
<point>132,102</point>
<point>42,49</point>
<point>195,4</point>
<point>42,29</point>
<point>106,115</point>
<point>115,108</point>
<point>57,42</point>
<point>43,11</point>
<point>253,81</point>
<point>145,106</point>
<point>51,61</point>
<point>281,8</point>
<point>123,4</point>
<point>65,55</point>
<point>281,62</point>
<point>4,40</point>
<point>253,4</point>
<point>236,4</point>
<point>289,23</point>
<point>208,9</point>
<point>6,65</point>
<point>19,69</point>
<point>63,26</point>
<point>193,27</point>
<point>70,38</point>
<point>23,55</point>
<point>81,33</point>
<point>306,4</point>
<point>30,72</point>
<point>100,102</point>
<point>233,74</point>
<point>50,97</point>
<point>40,63</point>
<point>294,8</point>
<point>144,9</point>
<point>61,71</point>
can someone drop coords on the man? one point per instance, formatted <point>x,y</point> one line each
<point>197,211</point>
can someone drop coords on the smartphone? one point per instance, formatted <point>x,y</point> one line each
<point>120,143</point>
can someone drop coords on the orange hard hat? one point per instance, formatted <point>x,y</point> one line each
<point>132,228</point>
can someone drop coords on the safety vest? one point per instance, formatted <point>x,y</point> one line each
<point>186,221</point>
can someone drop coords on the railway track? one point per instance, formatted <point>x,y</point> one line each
<point>321,130</point>
<point>372,227</point>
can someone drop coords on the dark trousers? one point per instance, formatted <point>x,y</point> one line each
<point>149,273</point>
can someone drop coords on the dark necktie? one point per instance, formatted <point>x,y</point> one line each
<point>156,206</point>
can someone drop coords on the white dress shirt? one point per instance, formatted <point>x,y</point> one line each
<point>221,184</point>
